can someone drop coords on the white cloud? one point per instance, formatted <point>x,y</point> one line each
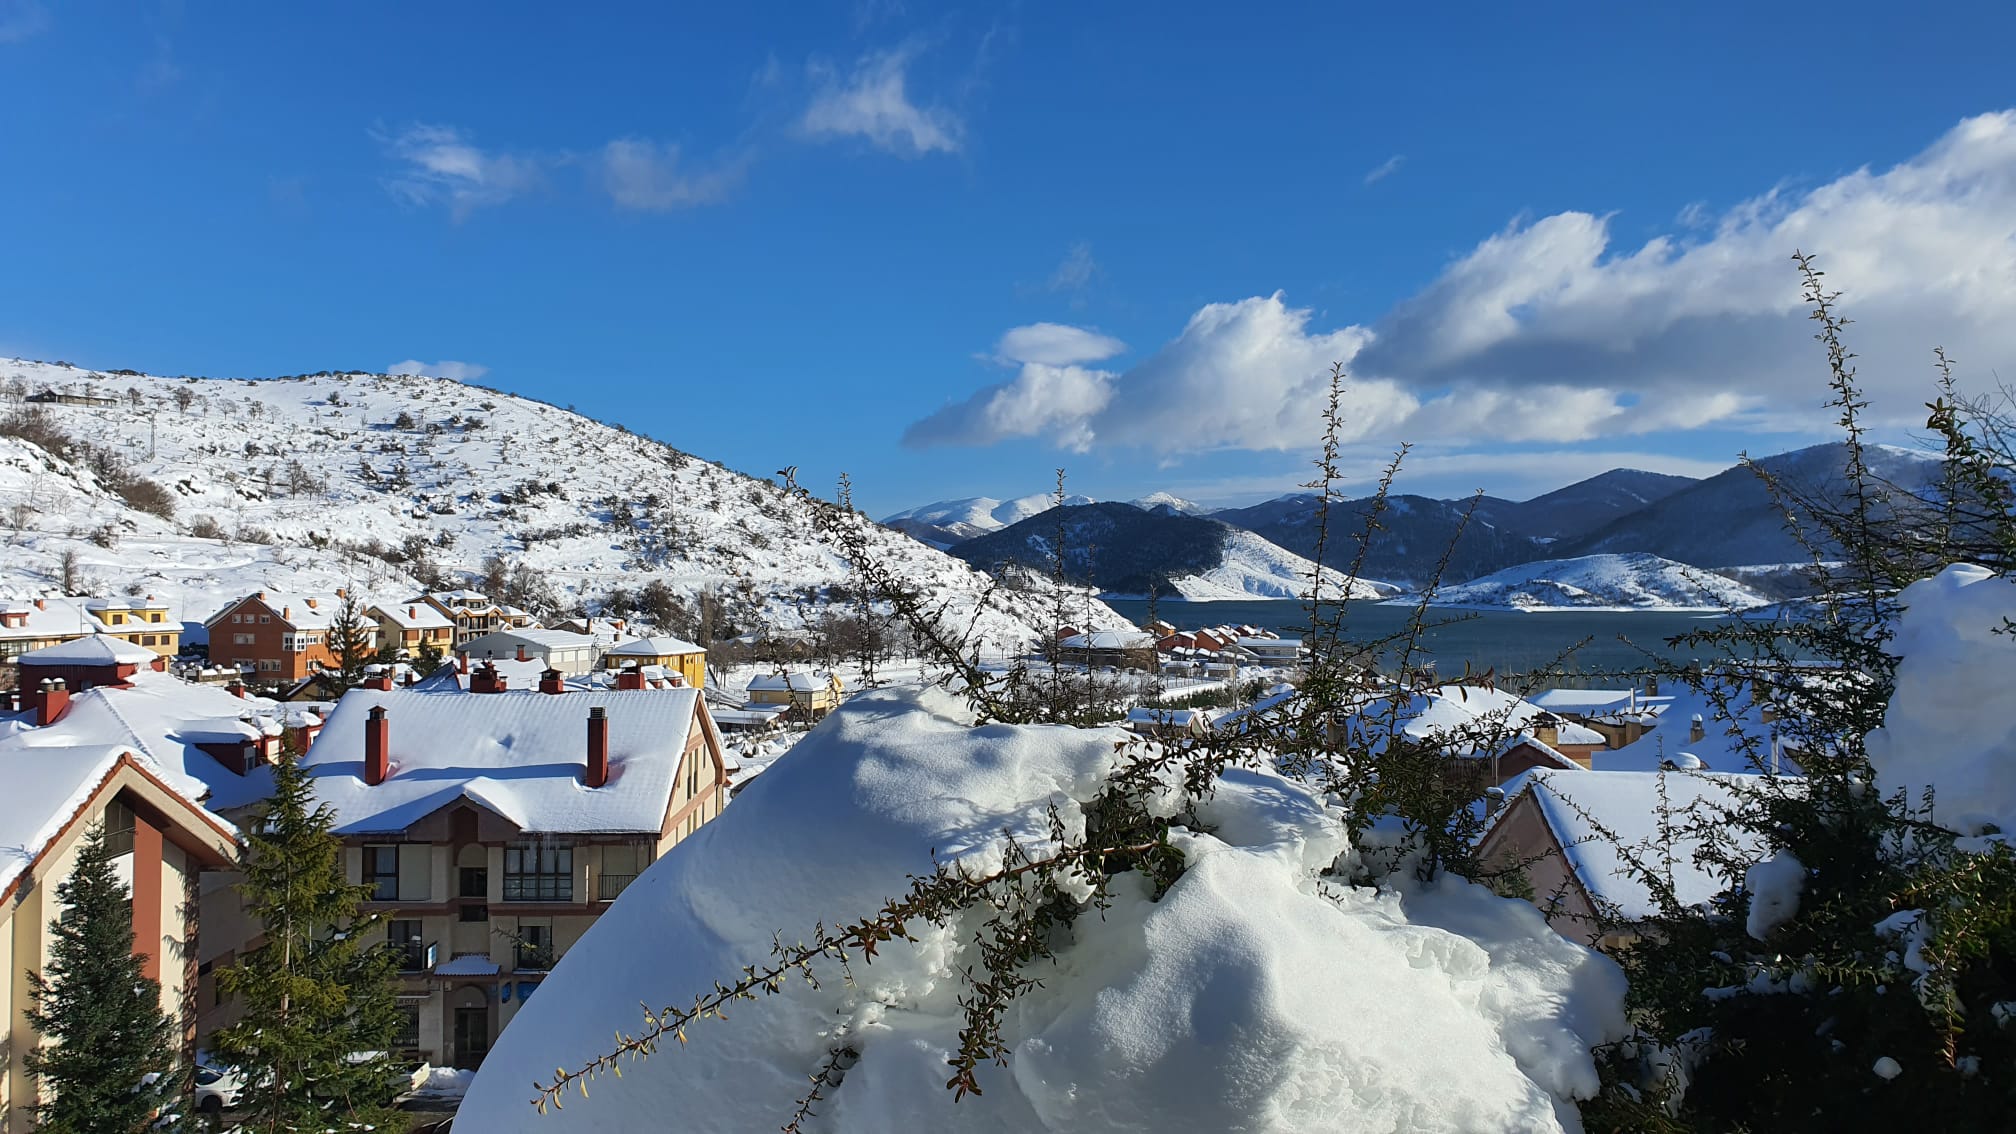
<point>1076,270</point>
<point>443,166</point>
<point>872,102</point>
<point>1056,344</point>
<point>647,176</point>
<point>446,368</point>
<point>1385,169</point>
<point>1545,332</point>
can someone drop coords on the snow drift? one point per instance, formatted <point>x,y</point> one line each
<point>1948,726</point>
<point>1254,995</point>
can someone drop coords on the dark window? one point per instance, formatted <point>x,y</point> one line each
<point>404,937</point>
<point>407,1038</point>
<point>475,882</point>
<point>535,946</point>
<point>118,829</point>
<point>381,872</point>
<point>539,874</point>
<point>475,913</point>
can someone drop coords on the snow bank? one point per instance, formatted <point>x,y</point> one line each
<point>1254,995</point>
<point>1948,726</point>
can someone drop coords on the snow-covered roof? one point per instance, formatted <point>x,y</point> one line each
<point>412,616</point>
<point>62,617</point>
<point>504,643</point>
<point>520,754</point>
<point>301,611</point>
<point>467,965</point>
<point>1172,718</point>
<point>44,792</point>
<point>1576,805</point>
<point>97,649</point>
<point>165,718</point>
<point>795,682</point>
<point>658,646</point>
<point>1463,716</point>
<point>462,600</point>
<point>1586,702</point>
<point>1718,749</point>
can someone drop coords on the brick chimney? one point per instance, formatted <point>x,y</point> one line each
<point>486,679</point>
<point>1547,729</point>
<point>629,677</point>
<point>377,746</point>
<point>13,700</point>
<point>412,612</point>
<point>236,688</point>
<point>521,652</point>
<point>1651,685</point>
<point>381,681</point>
<point>550,681</point>
<point>51,700</point>
<point>1695,731</point>
<point>41,604</point>
<point>598,747</point>
<point>462,663</point>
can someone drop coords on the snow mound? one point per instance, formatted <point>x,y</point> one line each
<point>1254,995</point>
<point>1948,727</point>
<point>1634,581</point>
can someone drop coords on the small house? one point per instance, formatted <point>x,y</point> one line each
<point>675,654</point>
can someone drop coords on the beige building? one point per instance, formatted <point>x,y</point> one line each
<point>495,827</point>
<point>474,614</point>
<point>58,782</point>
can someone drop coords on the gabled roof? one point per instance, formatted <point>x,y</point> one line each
<point>533,637</point>
<point>98,649</point>
<point>43,794</point>
<point>67,617</point>
<point>301,611</point>
<point>795,682</point>
<point>519,754</point>
<point>1578,806</point>
<point>659,646</point>
<point>415,615</point>
<point>1109,640</point>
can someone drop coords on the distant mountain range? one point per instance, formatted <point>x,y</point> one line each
<point>1727,521</point>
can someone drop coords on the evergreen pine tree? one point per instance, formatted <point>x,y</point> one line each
<point>318,992</point>
<point>101,1020</point>
<point>350,642</point>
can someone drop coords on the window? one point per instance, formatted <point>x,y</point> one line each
<point>381,872</point>
<point>404,937</point>
<point>539,874</point>
<point>534,947</point>
<point>475,882</point>
<point>244,639</point>
<point>237,618</point>
<point>265,618</point>
<point>407,1038</point>
<point>118,829</point>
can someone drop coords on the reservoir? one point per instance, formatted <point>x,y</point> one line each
<point>1508,641</point>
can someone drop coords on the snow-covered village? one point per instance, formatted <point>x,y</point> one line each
<point>1006,570</point>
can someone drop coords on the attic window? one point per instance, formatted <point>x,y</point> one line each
<point>118,829</point>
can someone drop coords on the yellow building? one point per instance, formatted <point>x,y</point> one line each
<point>52,620</point>
<point>674,654</point>
<point>814,694</point>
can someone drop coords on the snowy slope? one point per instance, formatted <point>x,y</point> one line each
<point>324,467</point>
<point>1252,568</point>
<point>1603,582</point>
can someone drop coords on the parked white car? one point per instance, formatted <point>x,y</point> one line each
<point>217,1090</point>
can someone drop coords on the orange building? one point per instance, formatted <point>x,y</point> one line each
<point>281,637</point>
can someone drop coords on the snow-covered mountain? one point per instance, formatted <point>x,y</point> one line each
<point>389,483</point>
<point>1169,501</point>
<point>1123,550</point>
<point>1635,581</point>
<point>954,521</point>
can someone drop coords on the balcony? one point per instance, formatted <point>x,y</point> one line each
<point>609,887</point>
<point>532,958</point>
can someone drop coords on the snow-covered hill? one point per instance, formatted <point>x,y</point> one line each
<point>1635,581</point>
<point>1251,568</point>
<point>389,482</point>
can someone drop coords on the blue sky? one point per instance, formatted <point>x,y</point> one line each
<point>949,249</point>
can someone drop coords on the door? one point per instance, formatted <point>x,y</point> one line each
<point>472,1035</point>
